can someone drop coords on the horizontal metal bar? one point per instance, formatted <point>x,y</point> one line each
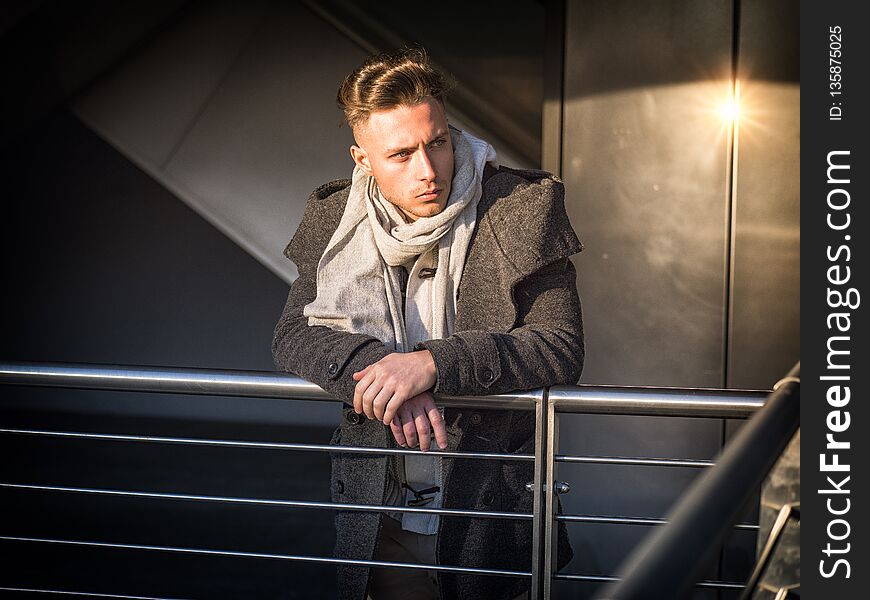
<point>576,577</point>
<point>210,382</point>
<point>265,384</point>
<point>85,594</point>
<point>454,512</point>
<point>287,557</point>
<point>653,401</point>
<point>616,460</point>
<point>720,585</point>
<point>175,380</point>
<point>632,521</point>
<point>770,544</point>
<point>717,585</point>
<point>113,437</point>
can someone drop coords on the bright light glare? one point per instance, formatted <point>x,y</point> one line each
<point>730,111</point>
<point>731,108</point>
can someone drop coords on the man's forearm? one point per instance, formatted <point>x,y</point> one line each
<point>321,355</point>
<point>546,348</point>
<point>479,362</point>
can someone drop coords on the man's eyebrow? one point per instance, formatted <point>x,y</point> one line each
<point>439,134</point>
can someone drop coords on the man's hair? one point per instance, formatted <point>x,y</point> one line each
<point>385,81</point>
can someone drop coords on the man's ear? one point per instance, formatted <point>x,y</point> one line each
<point>361,159</point>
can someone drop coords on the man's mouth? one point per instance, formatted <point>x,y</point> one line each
<point>429,194</point>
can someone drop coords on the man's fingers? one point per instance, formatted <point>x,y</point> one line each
<point>379,404</point>
<point>358,392</point>
<point>369,396</point>
<point>393,406</point>
<point>438,425</point>
<point>422,422</point>
<point>398,434</point>
<point>413,372</point>
<point>360,374</point>
<point>409,428</point>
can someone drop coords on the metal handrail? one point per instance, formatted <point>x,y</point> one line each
<point>714,585</point>
<point>546,403</point>
<point>209,382</point>
<point>648,401</point>
<point>348,449</point>
<point>116,437</point>
<point>633,461</point>
<point>633,521</point>
<point>79,594</point>
<point>450,512</point>
<point>656,401</point>
<point>288,557</point>
<point>153,439</point>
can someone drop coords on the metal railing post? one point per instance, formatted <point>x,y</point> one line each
<point>539,487</point>
<point>787,512</point>
<point>551,547</point>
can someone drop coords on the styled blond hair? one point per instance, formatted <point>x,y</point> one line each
<point>385,81</point>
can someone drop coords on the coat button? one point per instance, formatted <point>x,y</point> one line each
<point>332,369</point>
<point>476,418</point>
<point>339,485</point>
<point>353,418</point>
<point>488,498</point>
<point>486,375</point>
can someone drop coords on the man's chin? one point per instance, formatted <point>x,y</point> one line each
<point>430,209</point>
<point>423,209</point>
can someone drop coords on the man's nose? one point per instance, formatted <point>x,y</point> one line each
<point>425,169</point>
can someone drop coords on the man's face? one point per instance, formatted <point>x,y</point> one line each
<point>409,152</point>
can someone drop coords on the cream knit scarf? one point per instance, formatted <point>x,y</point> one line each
<point>358,277</point>
<point>359,281</point>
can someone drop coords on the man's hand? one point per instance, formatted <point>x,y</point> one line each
<point>412,423</point>
<point>383,386</point>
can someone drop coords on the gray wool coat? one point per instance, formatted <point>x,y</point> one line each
<point>518,326</point>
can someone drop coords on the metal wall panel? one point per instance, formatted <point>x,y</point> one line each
<point>645,161</point>
<point>147,103</point>
<point>691,272</point>
<point>765,294</point>
<point>233,113</point>
<point>645,165</point>
<point>233,109</point>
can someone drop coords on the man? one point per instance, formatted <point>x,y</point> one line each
<point>431,271</point>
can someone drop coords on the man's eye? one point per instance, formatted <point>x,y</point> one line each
<point>438,143</point>
<point>402,154</point>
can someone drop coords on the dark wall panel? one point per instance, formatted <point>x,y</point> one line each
<point>645,160</point>
<point>765,294</point>
<point>691,272</point>
<point>104,265</point>
<point>109,267</point>
<point>645,168</point>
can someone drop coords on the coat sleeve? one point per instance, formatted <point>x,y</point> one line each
<point>544,348</point>
<point>317,353</point>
